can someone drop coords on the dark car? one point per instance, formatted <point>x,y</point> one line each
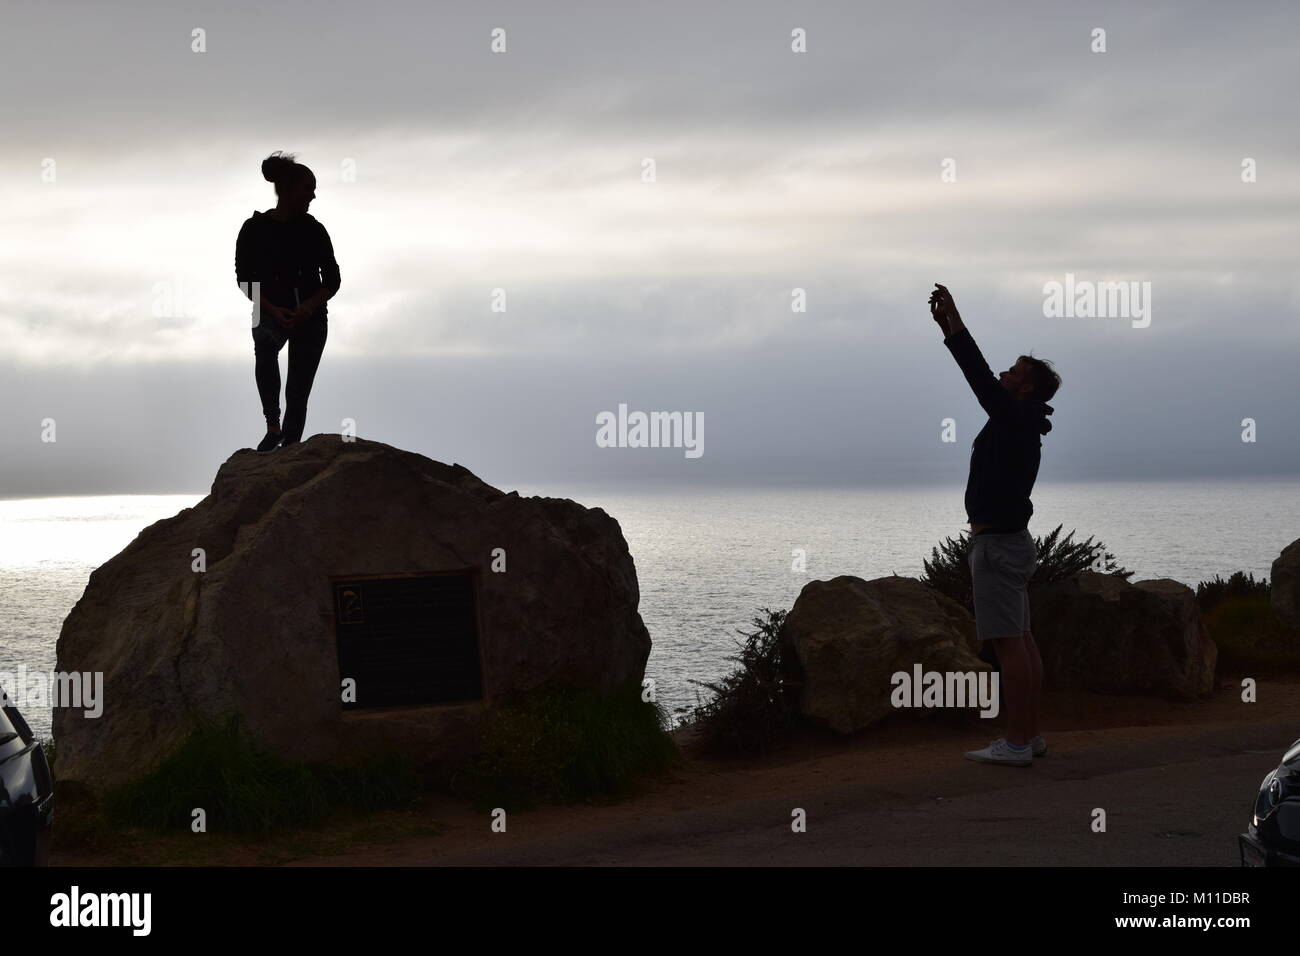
<point>26,794</point>
<point>1273,836</point>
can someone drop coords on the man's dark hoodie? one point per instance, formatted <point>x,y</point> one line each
<point>292,258</point>
<point>1004,457</point>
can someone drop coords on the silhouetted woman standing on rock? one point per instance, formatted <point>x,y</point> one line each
<point>289,253</point>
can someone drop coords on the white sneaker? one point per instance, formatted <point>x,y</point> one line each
<point>1000,752</point>
<point>1038,745</point>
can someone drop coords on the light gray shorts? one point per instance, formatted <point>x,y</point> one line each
<point>1000,568</point>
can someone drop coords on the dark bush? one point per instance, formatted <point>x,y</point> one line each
<point>1210,593</point>
<point>753,705</point>
<point>948,570</point>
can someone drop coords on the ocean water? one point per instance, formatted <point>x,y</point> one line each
<point>708,558</point>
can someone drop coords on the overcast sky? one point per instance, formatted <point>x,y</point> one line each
<point>129,161</point>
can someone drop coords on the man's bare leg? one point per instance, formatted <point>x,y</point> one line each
<point>1017,679</point>
<point>1036,686</point>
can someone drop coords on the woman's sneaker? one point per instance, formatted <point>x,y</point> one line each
<point>1038,745</point>
<point>1001,752</point>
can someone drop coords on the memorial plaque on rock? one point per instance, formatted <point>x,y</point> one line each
<point>408,639</point>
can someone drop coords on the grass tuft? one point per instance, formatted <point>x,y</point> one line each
<point>1250,638</point>
<point>561,745</point>
<point>243,788</point>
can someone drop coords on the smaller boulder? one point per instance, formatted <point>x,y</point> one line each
<point>1285,581</point>
<point>1098,632</point>
<point>850,636</point>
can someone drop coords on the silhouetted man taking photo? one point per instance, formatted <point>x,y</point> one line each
<point>1003,556</point>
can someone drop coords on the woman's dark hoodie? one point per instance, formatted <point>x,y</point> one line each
<point>1004,457</point>
<point>292,259</point>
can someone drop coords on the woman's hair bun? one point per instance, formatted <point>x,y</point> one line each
<point>276,167</point>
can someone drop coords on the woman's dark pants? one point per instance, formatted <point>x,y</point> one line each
<point>305,345</point>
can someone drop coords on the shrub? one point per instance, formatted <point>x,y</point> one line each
<point>948,570</point>
<point>756,703</point>
<point>1210,593</point>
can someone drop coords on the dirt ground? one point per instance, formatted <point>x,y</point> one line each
<point>1176,782</point>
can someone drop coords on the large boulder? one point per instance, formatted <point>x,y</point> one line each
<point>1098,632</point>
<point>254,632</point>
<point>1285,581</point>
<point>850,636</point>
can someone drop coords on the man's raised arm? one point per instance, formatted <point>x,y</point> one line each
<point>993,398</point>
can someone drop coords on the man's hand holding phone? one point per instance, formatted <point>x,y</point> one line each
<point>944,311</point>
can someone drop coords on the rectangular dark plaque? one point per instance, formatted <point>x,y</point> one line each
<point>409,639</point>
